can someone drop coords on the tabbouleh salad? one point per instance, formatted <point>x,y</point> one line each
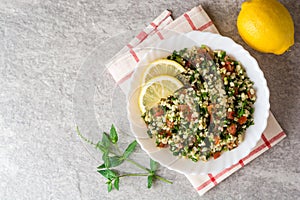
<point>211,113</point>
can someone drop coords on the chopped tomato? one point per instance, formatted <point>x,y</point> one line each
<point>223,76</point>
<point>230,115</point>
<point>186,111</point>
<point>230,146</point>
<point>161,145</point>
<point>210,108</point>
<point>165,133</point>
<point>158,112</point>
<point>188,64</point>
<point>217,139</point>
<point>189,116</point>
<point>161,132</point>
<point>169,133</point>
<point>242,120</point>
<point>194,139</point>
<point>229,67</point>
<point>236,91</point>
<point>217,154</point>
<point>170,124</point>
<point>210,111</point>
<point>232,129</point>
<point>249,94</point>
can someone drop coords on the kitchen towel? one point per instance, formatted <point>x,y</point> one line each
<point>121,67</point>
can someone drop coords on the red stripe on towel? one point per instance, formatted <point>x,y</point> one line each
<point>205,26</point>
<point>212,179</point>
<point>132,52</point>
<point>142,35</point>
<point>125,78</point>
<point>188,19</point>
<point>263,137</point>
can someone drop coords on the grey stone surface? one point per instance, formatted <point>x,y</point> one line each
<point>44,46</point>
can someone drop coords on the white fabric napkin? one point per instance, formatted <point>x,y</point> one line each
<point>122,66</point>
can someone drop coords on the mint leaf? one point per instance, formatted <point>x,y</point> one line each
<point>116,183</point>
<point>115,161</point>
<point>105,140</point>
<point>106,160</point>
<point>150,181</point>
<point>101,147</point>
<point>107,173</point>
<point>109,187</point>
<point>129,149</point>
<point>101,166</point>
<point>153,165</point>
<point>113,134</point>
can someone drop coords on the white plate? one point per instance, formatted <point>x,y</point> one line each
<point>253,133</point>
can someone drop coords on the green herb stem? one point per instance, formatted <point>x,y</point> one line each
<point>163,179</point>
<point>124,175</point>
<point>137,164</point>
<point>84,138</point>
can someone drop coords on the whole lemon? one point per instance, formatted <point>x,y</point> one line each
<point>266,26</point>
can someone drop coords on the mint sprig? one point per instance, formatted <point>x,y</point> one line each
<point>113,157</point>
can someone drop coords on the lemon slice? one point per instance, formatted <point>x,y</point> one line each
<point>162,67</point>
<point>157,88</point>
